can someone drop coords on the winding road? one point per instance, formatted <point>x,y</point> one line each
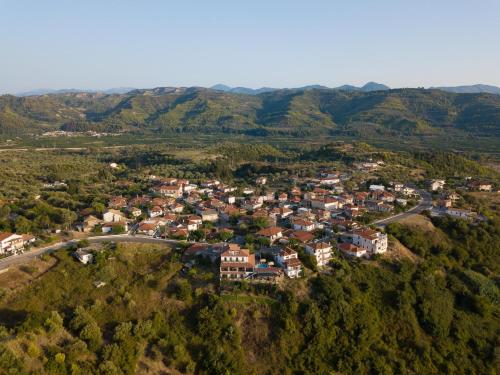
<point>21,258</point>
<point>424,204</point>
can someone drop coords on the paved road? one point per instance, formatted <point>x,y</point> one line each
<point>424,204</point>
<point>21,258</point>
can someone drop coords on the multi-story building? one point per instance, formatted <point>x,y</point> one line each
<point>10,243</point>
<point>374,242</point>
<point>236,263</point>
<point>321,250</point>
<point>174,191</point>
<point>325,203</point>
<point>289,260</point>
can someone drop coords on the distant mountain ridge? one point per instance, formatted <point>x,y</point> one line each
<point>471,89</point>
<point>370,86</point>
<point>37,92</point>
<point>316,111</point>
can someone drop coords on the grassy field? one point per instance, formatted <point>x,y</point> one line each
<point>127,272</point>
<point>186,140</point>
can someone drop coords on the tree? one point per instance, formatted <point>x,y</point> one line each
<point>92,335</point>
<point>263,241</point>
<point>22,225</point>
<point>54,322</point>
<point>197,235</point>
<point>98,207</point>
<point>261,222</point>
<point>225,235</point>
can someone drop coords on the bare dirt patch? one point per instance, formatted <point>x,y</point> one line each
<point>396,250</point>
<point>20,275</point>
<point>489,198</point>
<point>418,221</point>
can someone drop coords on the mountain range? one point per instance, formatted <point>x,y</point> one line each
<point>292,112</point>
<point>370,86</point>
<point>38,92</point>
<point>473,89</point>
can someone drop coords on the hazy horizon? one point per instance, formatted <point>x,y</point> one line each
<point>235,86</point>
<point>95,46</point>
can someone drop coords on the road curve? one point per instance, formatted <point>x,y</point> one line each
<point>424,204</point>
<point>21,258</point>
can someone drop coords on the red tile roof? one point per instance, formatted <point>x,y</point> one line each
<point>268,232</point>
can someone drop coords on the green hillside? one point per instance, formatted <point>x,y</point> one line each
<point>401,112</point>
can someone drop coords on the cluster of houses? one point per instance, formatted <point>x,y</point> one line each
<point>238,263</point>
<point>12,243</point>
<point>310,215</point>
<point>445,205</point>
<point>469,184</point>
<point>447,201</point>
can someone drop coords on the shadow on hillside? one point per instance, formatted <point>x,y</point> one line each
<point>11,318</point>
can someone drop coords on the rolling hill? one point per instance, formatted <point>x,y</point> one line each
<point>312,111</point>
<point>472,89</point>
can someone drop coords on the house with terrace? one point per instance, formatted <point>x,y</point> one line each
<point>236,263</point>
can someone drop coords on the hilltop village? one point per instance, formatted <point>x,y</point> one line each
<point>257,232</point>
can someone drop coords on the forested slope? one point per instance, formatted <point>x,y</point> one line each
<point>401,112</point>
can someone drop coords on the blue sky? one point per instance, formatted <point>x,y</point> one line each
<point>101,44</point>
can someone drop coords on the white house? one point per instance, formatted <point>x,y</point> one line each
<point>174,191</point>
<point>401,201</point>
<point>374,242</point>
<point>302,224</point>
<point>209,215</point>
<point>210,183</point>
<point>155,211</point>
<point>321,250</point>
<point>329,181</point>
<point>377,187</point>
<point>289,260</point>
<point>251,204</point>
<point>325,203</point>
<point>134,211</point>
<point>10,242</point>
<point>112,215</point>
<point>193,222</point>
<point>83,256</point>
<point>272,233</point>
<point>148,227</point>
<point>281,212</point>
<point>436,184</point>
<point>459,213</point>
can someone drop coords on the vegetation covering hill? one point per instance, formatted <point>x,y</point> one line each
<point>383,113</point>
<point>135,311</point>
<point>437,314</point>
